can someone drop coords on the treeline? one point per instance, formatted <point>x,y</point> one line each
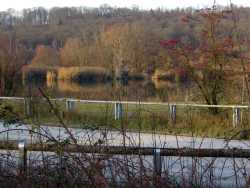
<point>42,16</point>
<point>114,38</point>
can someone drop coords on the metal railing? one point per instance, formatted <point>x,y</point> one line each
<point>157,153</point>
<point>70,104</point>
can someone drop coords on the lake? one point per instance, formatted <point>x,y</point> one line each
<point>118,90</point>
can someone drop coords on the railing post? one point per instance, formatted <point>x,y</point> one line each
<point>157,160</point>
<point>22,161</point>
<point>28,107</point>
<point>236,116</point>
<point>172,114</point>
<point>118,111</point>
<point>70,105</point>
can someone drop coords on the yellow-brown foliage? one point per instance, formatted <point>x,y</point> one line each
<point>69,73</point>
<point>45,56</point>
<point>160,74</point>
<point>51,79</point>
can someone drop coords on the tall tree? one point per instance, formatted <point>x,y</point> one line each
<point>214,54</point>
<point>12,57</point>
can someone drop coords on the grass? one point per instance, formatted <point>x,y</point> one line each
<point>144,118</point>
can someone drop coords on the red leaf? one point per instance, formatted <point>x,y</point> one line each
<point>169,43</point>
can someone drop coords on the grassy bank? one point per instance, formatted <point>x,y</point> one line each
<point>144,118</point>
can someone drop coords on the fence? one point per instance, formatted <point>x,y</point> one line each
<point>70,105</point>
<point>157,156</point>
<point>157,153</point>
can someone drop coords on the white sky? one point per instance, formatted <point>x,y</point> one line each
<point>146,4</point>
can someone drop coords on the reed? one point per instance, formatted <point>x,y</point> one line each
<point>87,74</point>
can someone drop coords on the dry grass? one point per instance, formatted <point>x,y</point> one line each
<point>83,73</point>
<point>163,75</point>
<point>79,74</point>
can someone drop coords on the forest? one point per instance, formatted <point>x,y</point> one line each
<point>108,43</point>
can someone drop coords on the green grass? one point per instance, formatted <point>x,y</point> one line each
<point>145,118</point>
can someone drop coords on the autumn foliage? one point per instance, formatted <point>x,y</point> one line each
<point>45,56</point>
<point>207,58</point>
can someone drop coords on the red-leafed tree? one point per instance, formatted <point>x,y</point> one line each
<point>209,57</point>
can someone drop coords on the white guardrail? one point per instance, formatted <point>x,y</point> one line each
<point>136,102</point>
<point>118,110</point>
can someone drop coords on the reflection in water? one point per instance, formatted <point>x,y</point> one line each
<point>67,86</point>
<point>50,79</point>
<point>131,90</point>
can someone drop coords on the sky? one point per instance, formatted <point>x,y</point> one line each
<point>144,4</point>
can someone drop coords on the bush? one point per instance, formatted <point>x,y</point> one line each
<point>84,74</point>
